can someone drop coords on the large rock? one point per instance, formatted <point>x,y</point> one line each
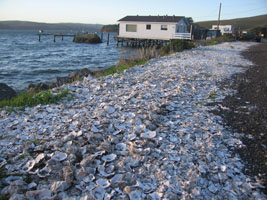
<point>37,88</point>
<point>87,38</point>
<point>6,92</point>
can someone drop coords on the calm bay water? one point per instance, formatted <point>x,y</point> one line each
<point>25,60</point>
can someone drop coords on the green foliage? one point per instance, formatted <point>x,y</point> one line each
<point>110,28</point>
<point>122,65</point>
<point>224,38</point>
<point>29,100</point>
<point>176,46</point>
<point>5,197</point>
<point>212,96</point>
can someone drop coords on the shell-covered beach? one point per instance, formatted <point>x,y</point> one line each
<point>146,133</point>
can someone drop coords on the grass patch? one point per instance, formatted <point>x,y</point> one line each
<point>122,65</point>
<point>176,46</point>
<point>212,96</point>
<point>207,75</point>
<point>218,40</point>
<point>29,100</point>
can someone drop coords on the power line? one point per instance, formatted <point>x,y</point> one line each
<point>225,14</point>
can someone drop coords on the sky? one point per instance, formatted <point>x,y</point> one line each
<point>110,11</point>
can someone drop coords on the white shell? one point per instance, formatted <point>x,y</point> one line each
<point>149,134</point>
<point>135,195</point>
<point>44,172</point>
<point>109,109</point>
<point>39,158</point>
<point>121,147</point>
<point>109,158</point>
<point>29,165</point>
<point>98,193</point>
<point>59,156</point>
<point>104,171</point>
<point>103,183</point>
<point>3,162</point>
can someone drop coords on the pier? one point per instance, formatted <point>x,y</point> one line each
<point>54,36</point>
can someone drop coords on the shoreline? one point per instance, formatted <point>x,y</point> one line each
<point>247,112</point>
<point>145,133</point>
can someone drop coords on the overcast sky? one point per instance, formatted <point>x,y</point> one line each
<point>109,11</point>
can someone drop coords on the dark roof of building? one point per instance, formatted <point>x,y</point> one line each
<point>152,18</point>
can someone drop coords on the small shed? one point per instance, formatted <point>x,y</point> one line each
<point>155,27</point>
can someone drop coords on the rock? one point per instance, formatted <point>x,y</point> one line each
<point>36,88</point>
<point>87,38</point>
<point>80,74</point>
<point>39,194</point>
<point>6,92</point>
<point>59,186</point>
<point>62,80</point>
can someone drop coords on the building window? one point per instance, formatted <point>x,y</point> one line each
<point>164,27</point>
<point>148,27</point>
<point>131,28</point>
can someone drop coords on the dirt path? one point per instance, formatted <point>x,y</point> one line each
<point>248,112</point>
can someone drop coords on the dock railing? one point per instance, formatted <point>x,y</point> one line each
<point>184,36</point>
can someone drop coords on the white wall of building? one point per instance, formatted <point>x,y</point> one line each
<point>224,28</point>
<point>155,32</point>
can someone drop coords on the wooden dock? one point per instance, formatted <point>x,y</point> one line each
<point>54,36</point>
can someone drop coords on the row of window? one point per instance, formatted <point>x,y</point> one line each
<point>133,27</point>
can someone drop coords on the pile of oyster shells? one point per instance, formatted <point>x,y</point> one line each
<point>146,133</point>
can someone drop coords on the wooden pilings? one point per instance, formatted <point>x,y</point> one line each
<point>108,39</point>
<point>135,42</point>
<point>54,36</point>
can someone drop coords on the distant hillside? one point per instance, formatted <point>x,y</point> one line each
<point>49,26</point>
<point>110,28</point>
<point>243,23</point>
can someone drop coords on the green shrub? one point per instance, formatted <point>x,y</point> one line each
<point>29,100</point>
<point>224,38</point>
<point>122,65</point>
<point>176,46</point>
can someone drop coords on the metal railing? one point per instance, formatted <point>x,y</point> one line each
<point>184,36</point>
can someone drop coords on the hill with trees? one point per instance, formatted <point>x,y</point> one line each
<point>26,25</point>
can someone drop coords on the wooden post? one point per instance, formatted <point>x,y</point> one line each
<point>62,37</point>
<point>218,23</point>
<point>108,39</point>
<point>191,29</point>
<point>39,38</point>
<point>54,38</point>
<point>101,36</point>
<point>171,45</point>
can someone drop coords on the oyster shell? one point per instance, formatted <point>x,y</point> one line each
<point>103,183</point>
<point>98,193</point>
<point>59,156</point>
<point>121,147</point>
<point>29,165</point>
<point>109,158</point>
<point>44,172</point>
<point>148,134</point>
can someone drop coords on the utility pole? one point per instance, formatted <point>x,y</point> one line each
<point>218,23</point>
